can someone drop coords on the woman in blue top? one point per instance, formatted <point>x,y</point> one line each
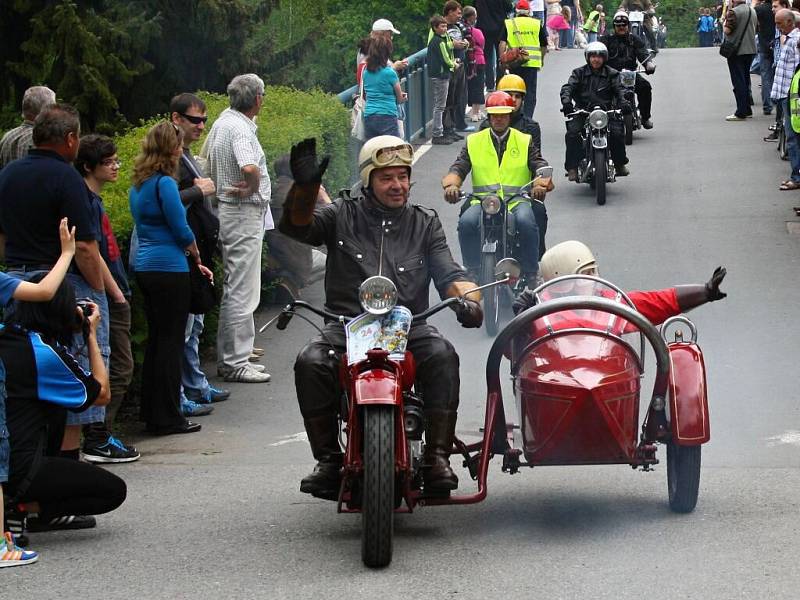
<point>162,272</point>
<point>382,91</point>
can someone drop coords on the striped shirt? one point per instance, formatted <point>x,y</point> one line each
<point>786,66</point>
<point>16,143</point>
<point>231,145</point>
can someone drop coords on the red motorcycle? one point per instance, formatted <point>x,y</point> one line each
<point>382,417</point>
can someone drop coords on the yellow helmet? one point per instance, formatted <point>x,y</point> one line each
<point>567,258</point>
<point>512,83</point>
<point>381,152</point>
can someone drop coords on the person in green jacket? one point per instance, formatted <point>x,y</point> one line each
<point>592,24</point>
<point>441,64</point>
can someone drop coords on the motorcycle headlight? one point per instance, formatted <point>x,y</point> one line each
<point>598,119</point>
<point>378,295</point>
<point>491,205</point>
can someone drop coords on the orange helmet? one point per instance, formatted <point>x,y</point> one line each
<point>499,103</point>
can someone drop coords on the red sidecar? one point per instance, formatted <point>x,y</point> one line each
<point>577,359</point>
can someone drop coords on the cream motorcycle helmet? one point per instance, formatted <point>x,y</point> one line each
<point>381,152</point>
<point>567,258</point>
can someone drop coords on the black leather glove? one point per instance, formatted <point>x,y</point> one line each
<point>523,302</point>
<point>626,108</point>
<point>303,162</point>
<point>470,314</point>
<point>566,108</point>
<point>712,287</point>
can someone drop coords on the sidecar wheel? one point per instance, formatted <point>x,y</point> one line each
<point>377,509</point>
<point>491,296</point>
<point>683,476</point>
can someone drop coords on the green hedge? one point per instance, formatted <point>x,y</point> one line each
<point>288,116</point>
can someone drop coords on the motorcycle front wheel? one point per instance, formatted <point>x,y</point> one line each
<point>491,296</point>
<point>377,508</point>
<point>600,176</point>
<point>628,119</point>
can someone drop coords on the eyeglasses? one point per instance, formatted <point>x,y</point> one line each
<point>194,120</point>
<point>384,156</point>
<point>111,162</point>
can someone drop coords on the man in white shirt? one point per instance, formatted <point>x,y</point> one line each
<point>237,164</point>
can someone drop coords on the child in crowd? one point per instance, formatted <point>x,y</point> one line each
<point>12,288</point>
<point>476,65</point>
<point>441,64</point>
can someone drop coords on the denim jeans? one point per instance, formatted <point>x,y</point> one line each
<point>767,75</point>
<point>591,36</point>
<point>5,447</point>
<point>439,96</point>
<point>529,75</point>
<point>469,236</point>
<point>791,142</point>
<point>195,383</point>
<point>375,125</point>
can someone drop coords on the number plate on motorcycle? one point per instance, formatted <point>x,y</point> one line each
<point>388,332</point>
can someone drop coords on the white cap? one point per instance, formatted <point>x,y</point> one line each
<point>384,25</point>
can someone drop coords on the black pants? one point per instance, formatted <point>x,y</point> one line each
<point>316,374</point>
<point>166,305</point>
<point>68,487</point>
<point>616,141</point>
<point>739,68</point>
<point>540,214</point>
<point>492,38</point>
<point>456,101</point>
<point>644,96</point>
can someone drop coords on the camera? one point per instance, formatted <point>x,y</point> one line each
<point>86,307</point>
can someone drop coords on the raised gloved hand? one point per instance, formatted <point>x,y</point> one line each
<point>303,162</point>
<point>523,302</point>
<point>649,67</point>
<point>469,313</point>
<point>712,287</point>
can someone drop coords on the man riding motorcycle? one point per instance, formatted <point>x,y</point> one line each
<point>625,51</point>
<point>502,161</point>
<point>575,258</point>
<point>594,84</point>
<point>514,86</point>
<point>649,11</point>
<point>370,223</point>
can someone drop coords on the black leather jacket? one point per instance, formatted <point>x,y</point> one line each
<point>625,51</point>
<point>588,88</point>
<point>415,249</point>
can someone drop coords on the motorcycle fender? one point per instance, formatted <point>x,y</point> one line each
<point>688,397</point>
<point>599,141</point>
<point>489,247</point>
<point>378,386</point>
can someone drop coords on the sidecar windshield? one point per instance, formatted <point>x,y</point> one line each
<point>582,285</point>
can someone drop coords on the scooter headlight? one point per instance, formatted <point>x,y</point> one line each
<point>491,205</point>
<point>598,119</point>
<point>378,295</point>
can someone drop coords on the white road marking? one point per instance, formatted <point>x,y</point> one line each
<point>790,437</point>
<point>420,152</point>
<point>290,439</point>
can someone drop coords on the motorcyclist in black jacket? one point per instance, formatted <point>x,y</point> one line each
<point>625,51</point>
<point>374,223</point>
<point>594,84</point>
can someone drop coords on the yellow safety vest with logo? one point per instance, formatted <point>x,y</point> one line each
<point>523,32</point>
<point>794,102</point>
<point>501,178</point>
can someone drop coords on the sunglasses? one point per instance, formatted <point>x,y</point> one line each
<point>194,120</point>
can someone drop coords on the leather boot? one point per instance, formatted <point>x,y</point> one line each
<point>323,436</point>
<point>440,427</point>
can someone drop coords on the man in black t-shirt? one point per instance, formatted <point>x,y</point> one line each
<point>766,42</point>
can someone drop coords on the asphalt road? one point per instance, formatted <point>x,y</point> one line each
<point>218,514</point>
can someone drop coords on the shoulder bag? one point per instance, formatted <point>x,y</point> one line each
<point>729,48</point>
<point>357,115</point>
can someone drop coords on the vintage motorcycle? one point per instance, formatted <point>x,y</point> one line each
<point>596,167</point>
<point>633,121</point>
<point>498,242</point>
<point>382,416</point>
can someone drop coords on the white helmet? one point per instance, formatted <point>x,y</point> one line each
<point>566,258</point>
<point>598,48</point>
<point>384,151</point>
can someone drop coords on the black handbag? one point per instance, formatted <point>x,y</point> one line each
<point>727,48</point>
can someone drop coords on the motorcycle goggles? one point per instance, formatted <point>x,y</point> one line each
<point>621,22</point>
<point>384,157</point>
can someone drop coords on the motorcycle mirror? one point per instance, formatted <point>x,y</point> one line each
<point>508,268</point>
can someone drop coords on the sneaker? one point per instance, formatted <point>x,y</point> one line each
<point>734,117</point>
<point>772,137</point>
<point>451,133</point>
<point>190,408</point>
<point>62,523</point>
<point>247,374</point>
<point>12,555</point>
<point>214,395</point>
<point>258,351</point>
<point>254,358</point>
<point>111,451</point>
<point>466,128</point>
<point>441,140</point>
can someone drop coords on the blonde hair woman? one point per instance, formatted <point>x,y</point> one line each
<point>162,272</point>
